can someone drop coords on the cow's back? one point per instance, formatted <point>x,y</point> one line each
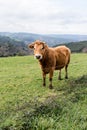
<point>62,54</point>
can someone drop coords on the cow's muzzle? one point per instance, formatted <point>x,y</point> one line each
<point>38,56</point>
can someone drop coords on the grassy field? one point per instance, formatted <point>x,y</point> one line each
<point>26,105</point>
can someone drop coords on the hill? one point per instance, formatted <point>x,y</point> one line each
<point>26,105</point>
<point>12,44</point>
<point>29,37</point>
<point>51,39</point>
<point>77,46</point>
<point>73,37</point>
<point>12,47</point>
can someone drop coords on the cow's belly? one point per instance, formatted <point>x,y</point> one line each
<point>59,66</point>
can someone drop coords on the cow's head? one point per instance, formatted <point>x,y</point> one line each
<point>39,49</point>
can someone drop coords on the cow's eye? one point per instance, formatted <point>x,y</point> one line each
<point>42,48</point>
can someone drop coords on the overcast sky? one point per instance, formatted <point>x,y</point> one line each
<point>44,16</point>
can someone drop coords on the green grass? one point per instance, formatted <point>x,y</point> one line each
<point>26,105</point>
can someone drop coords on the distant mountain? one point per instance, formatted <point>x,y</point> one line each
<point>12,44</point>
<point>50,39</point>
<point>73,37</point>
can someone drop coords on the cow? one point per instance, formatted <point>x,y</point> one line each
<point>51,59</point>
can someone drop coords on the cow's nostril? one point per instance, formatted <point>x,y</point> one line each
<point>38,56</point>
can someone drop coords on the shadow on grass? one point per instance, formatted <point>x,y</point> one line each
<point>75,89</point>
<point>50,108</point>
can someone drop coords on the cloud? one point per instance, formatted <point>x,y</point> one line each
<point>43,16</point>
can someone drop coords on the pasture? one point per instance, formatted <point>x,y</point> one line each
<point>26,105</point>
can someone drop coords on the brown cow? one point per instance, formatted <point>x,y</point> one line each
<point>51,59</point>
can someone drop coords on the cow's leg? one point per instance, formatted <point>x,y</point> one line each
<point>66,73</point>
<point>50,79</point>
<point>59,75</point>
<point>44,79</point>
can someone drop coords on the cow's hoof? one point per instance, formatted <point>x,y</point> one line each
<point>50,86</point>
<point>66,77</point>
<point>44,85</point>
<point>59,78</point>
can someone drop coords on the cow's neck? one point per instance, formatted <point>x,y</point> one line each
<point>45,60</point>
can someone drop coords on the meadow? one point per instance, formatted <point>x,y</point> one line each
<point>26,105</point>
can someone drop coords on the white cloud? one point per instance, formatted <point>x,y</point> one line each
<point>44,16</point>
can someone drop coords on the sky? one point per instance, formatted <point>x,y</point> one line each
<point>44,16</point>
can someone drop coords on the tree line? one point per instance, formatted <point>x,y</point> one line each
<point>77,47</point>
<point>12,47</point>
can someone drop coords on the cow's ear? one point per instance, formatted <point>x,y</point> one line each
<point>31,45</point>
<point>45,45</point>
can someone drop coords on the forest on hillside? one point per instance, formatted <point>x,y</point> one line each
<point>78,47</point>
<point>12,47</point>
